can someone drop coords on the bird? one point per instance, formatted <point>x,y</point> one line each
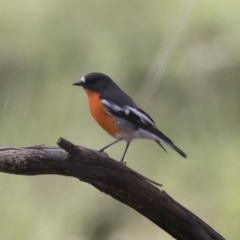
<point>119,115</point>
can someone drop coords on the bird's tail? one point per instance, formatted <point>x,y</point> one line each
<point>164,139</point>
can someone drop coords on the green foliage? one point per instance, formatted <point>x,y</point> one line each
<point>45,46</point>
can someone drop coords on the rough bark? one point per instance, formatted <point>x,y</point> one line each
<point>112,178</point>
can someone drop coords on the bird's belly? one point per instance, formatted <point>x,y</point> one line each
<point>129,131</point>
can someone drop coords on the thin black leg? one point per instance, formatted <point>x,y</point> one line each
<point>109,145</point>
<point>125,152</point>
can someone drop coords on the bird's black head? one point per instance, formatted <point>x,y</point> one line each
<point>95,81</point>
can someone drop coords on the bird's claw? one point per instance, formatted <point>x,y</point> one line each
<point>123,163</point>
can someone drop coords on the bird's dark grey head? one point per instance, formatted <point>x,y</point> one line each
<point>95,82</point>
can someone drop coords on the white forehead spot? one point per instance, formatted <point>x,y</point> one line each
<point>83,79</point>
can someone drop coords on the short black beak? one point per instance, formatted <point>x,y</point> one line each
<point>79,84</point>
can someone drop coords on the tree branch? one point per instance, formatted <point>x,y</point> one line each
<point>112,178</point>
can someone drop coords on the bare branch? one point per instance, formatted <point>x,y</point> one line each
<point>112,178</point>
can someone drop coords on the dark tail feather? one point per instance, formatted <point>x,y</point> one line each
<point>164,139</point>
<point>173,147</point>
<point>178,150</point>
<point>161,146</point>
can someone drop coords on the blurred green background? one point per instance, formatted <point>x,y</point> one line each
<point>46,45</point>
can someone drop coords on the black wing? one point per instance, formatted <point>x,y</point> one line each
<point>130,113</point>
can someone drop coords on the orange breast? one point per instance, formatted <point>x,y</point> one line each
<point>99,113</point>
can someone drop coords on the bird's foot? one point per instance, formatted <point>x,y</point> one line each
<point>104,154</point>
<point>123,163</point>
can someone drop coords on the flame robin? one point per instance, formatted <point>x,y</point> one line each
<point>117,113</point>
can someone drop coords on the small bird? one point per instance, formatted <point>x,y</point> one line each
<point>117,113</point>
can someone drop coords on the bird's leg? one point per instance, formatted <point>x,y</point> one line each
<point>109,145</point>
<point>121,161</point>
